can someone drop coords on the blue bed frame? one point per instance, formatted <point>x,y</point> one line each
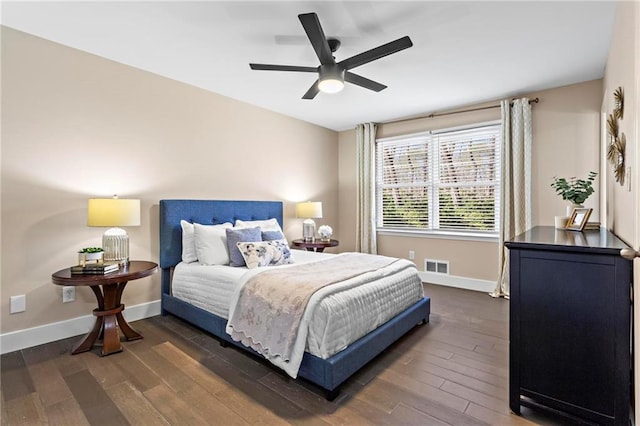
<point>329,373</point>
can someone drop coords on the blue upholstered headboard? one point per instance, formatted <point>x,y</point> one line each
<point>205,212</point>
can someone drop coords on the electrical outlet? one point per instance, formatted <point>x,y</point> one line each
<point>68,294</point>
<point>18,304</point>
<point>412,255</point>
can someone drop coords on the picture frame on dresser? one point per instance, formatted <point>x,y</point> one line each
<point>578,219</point>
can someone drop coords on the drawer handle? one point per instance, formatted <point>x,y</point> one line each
<point>629,253</point>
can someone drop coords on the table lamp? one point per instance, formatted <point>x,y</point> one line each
<point>309,211</point>
<point>114,212</point>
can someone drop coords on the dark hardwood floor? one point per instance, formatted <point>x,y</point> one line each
<point>452,371</point>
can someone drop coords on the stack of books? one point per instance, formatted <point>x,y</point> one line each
<point>591,226</point>
<point>94,269</point>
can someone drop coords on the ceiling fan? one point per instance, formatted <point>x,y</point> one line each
<point>332,74</point>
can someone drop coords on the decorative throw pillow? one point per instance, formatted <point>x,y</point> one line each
<point>275,236</point>
<point>265,225</point>
<point>265,253</point>
<point>188,244</point>
<point>234,236</point>
<point>211,243</point>
<point>272,235</point>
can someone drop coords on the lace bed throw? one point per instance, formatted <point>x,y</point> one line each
<point>270,305</point>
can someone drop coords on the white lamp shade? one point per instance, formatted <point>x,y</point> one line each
<point>309,210</point>
<point>113,212</point>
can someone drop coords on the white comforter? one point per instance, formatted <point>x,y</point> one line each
<point>337,315</point>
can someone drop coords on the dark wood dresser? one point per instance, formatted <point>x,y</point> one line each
<point>570,324</point>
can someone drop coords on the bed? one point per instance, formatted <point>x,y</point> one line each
<point>327,373</point>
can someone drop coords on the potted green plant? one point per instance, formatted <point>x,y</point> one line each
<point>90,254</point>
<point>574,190</point>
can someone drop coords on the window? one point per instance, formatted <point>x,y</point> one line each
<point>446,181</point>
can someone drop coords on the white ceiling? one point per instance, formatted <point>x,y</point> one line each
<point>464,52</point>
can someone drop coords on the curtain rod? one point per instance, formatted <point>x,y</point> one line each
<point>438,114</point>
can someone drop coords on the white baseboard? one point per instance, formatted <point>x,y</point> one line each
<point>459,282</point>
<point>35,336</point>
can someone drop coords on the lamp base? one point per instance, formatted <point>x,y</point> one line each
<point>308,230</point>
<point>115,243</point>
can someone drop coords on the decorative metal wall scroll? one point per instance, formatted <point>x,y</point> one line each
<point>617,140</point>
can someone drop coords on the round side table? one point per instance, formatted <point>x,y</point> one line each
<point>108,289</point>
<point>317,245</point>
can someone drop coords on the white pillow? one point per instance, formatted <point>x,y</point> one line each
<point>265,253</point>
<point>188,244</point>
<point>211,243</point>
<point>265,225</point>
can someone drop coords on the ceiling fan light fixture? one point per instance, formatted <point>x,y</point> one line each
<point>331,74</point>
<point>330,85</point>
<point>331,78</point>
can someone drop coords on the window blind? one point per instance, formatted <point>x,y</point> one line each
<point>446,181</point>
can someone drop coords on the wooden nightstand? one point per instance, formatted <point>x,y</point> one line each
<point>109,312</point>
<point>317,245</point>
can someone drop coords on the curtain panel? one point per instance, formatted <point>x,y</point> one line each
<point>365,197</point>
<point>515,210</point>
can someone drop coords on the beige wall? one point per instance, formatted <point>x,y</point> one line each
<point>566,125</point>
<point>621,71</point>
<point>347,194</point>
<point>566,140</point>
<point>76,126</point>
<point>623,202</point>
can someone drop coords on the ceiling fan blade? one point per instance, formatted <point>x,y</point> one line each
<point>363,82</point>
<point>268,67</point>
<point>376,53</point>
<point>318,40</point>
<point>312,92</point>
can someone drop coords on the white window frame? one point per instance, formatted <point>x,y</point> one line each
<point>434,185</point>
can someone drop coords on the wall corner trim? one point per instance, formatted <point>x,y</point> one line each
<point>21,339</point>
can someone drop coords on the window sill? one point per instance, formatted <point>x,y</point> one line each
<point>442,235</point>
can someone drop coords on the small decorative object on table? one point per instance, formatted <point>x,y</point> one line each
<point>578,219</point>
<point>90,255</point>
<point>591,226</point>
<point>325,232</point>
<point>94,269</point>
<point>574,190</point>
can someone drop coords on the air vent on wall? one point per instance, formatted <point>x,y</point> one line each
<point>437,266</point>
